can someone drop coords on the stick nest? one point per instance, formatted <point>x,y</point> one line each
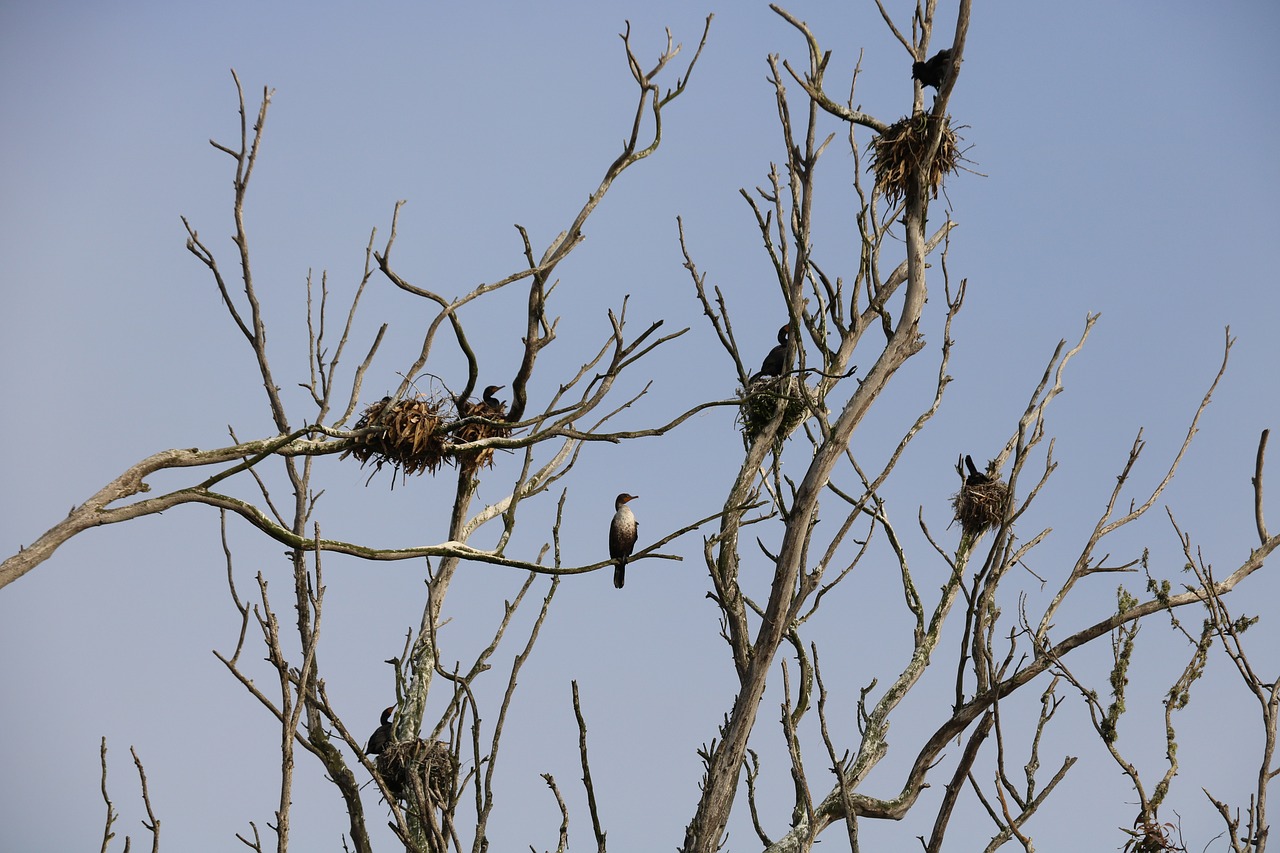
<point>418,435</point>
<point>980,506</point>
<point>472,460</point>
<point>407,434</point>
<point>760,401</point>
<point>419,769</point>
<point>898,151</point>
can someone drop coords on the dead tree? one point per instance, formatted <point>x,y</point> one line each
<point>847,337</point>
<point>413,432</point>
<point>820,398</point>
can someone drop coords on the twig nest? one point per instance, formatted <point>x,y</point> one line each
<point>496,427</point>
<point>419,768</point>
<point>407,434</point>
<point>980,506</point>
<point>418,435</point>
<point>1151,837</point>
<point>760,401</point>
<point>898,151</point>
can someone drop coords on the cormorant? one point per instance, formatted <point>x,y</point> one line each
<point>933,72</point>
<point>381,736</point>
<point>976,477</point>
<point>622,536</point>
<point>773,362</point>
<point>488,407</point>
<point>497,408</point>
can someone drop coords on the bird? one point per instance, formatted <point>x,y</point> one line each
<point>488,407</point>
<point>774,361</point>
<point>381,737</point>
<point>976,477</point>
<point>622,536</point>
<point>934,71</point>
<point>496,408</point>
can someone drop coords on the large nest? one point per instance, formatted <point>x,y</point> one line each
<point>407,434</point>
<point>980,504</point>
<point>760,402</point>
<point>898,151</point>
<point>419,770</point>
<point>417,435</point>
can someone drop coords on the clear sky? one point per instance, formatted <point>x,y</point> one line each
<point>1127,166</point>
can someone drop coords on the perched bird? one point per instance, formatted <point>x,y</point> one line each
<point>933,72</point>
<point>773,362</point>
<point>381,736</point>
<point>622,536</point>
<point>976,477</point>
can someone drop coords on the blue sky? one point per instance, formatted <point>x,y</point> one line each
<point>1127,166</point>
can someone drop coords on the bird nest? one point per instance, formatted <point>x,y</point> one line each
<point>900,149</point>
<point>418,435</point>
<point>476,430</point>
<point>408,434</point>
<point>419,770</point>
<point>760,402</point>
<point>980,506</point>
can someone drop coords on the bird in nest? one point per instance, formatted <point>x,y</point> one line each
<point>381,736</point>
<point>488,407</point>
<point>774,362</point>
<point>976,477</point>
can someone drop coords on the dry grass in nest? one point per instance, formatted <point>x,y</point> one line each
<point>473,460</point>
<point>419,434</point>
<point>411,439</point>
<point>980,506</point>
<point>899,150</point>
<point>760,401</point>
<point>430,764</point>
<point>1152,837</point>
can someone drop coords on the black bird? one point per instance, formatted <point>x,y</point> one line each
<point>976,477</point>
<point>496,408</point>
<point>622,536</point>
<point>773,362</point>
<point>933,72</point>
<point>381,737</point>
<point>488,407</point>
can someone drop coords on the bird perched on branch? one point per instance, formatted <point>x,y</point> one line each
<point>976,477</point>
<point>934,71</point>
<point>622,536</point>
<point>381,736</point>
<point>774,362</point>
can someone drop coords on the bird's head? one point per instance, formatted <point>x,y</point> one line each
<point>784,333</point>
<point>623,499</point>
<point>386,715</point>
<point>491,390</point>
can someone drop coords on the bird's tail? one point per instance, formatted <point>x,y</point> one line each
<point>620,573</point>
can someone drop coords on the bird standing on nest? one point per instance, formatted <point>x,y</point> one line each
<point>976,477</point>
<point>774,361</point>
<point>934,71</point>
<point>381,736</point>
<point>622,536</point>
